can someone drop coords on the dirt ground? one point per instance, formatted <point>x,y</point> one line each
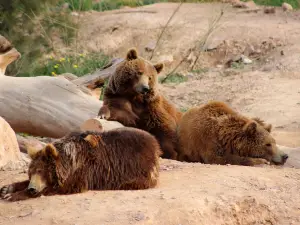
<point>195,193</point>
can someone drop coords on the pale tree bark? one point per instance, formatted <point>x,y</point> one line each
<point>48,106</point>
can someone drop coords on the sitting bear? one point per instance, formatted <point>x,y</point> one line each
<point>120,159</point>
<point>215,134</point>
<point>131,98</point>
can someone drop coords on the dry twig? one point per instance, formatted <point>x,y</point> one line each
<point>164,29</point>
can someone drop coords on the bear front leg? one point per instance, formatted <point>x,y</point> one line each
<point>239,160</point>
<point>18,196</point>
<point>168,143</point>
<point>15,187</point>
<point>104,112</point>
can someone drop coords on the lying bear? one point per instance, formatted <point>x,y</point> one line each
<point>120,159</point>
<point>132,98</point>
<point>215,134</point>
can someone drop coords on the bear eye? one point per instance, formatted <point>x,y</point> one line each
<point>140,73</point>
<point>38,171</point>
<point>268,145</point>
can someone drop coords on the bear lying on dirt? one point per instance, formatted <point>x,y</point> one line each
<point>120,159</point>
<point>132,99</point>
<point>215,134</point>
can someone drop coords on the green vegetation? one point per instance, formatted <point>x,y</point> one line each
<point>30,26</point>
<point>38,28</point>
<point>294,3</point>
<point>183,109</point>
<point>175,78</point>
<point>79,65</point>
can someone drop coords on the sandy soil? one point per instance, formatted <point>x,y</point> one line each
<point>187,194</point>
<point>196,193</point>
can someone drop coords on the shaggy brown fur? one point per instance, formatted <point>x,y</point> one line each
<point>132,99</point>
<point>124,158</point>
<point>215,134</point>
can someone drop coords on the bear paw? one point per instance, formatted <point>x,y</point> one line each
<point>12,197</point>
<point>261,162</point>
<point>6,190</point>
<point>104,113</point>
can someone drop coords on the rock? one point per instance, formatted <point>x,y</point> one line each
<point>166,58</point>
<point>74,14</point>
<point>245,59</point>
<point>269,10</point>
<point>286,7</point>
<point>10,156</point>
<point>244,5</point>
<point>150,46</point>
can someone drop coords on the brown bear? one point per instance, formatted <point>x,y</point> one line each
<point>120,159</point>
<point>216,134</point>
<point>132,98</point>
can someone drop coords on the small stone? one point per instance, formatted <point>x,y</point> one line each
<point>246,60</point>
<point>166,58</point>
<point>150,46</point>
<point>74,14</point>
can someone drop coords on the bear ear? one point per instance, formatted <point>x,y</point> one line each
<point>92,140</point>
<point>132,54</point>
<point>268,127</point>
<point>50,151</point>
<point>159,67</point>
<point>250,127</point>
<point>31,151</point>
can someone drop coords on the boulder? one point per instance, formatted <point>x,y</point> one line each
<point>10,156</point>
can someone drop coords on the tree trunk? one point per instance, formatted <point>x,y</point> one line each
<point>45,106</point>
<point>100,125</point>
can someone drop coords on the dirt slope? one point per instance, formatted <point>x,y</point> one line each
<point>187,194</point>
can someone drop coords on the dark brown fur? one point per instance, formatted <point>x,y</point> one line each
<point>215,134</point>
<point>121,159</point>
<point>125,102</point>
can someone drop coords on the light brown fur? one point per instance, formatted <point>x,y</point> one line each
<point>132,98</point>
<point>215,134</point>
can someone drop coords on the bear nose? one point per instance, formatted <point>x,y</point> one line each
<point>285,156</point>
<point>31,190</point>
<point>145,89</point>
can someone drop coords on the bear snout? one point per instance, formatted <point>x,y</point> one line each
<point>284,157</point>
<point>32,190</point>
<point>143,89</point>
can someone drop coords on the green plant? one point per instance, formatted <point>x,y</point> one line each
<point>183,109</point>
<point>77,64</point>
<point>237,65</point>
<point>30,26</point>
<point>294,3</point>
<point>174,78</point>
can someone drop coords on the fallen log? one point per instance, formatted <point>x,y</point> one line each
<point>45,106</point>
<point>48,106</point>
<point>24,142</point>
<point>98,78</point>
<point>96,124</point>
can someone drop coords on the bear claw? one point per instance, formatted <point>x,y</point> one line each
<point>7,197</point>
<point>4,191</point>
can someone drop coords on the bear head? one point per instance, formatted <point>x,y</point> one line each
<point>135,76</point>
<point>42,169</point>
<point>257,138</point>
